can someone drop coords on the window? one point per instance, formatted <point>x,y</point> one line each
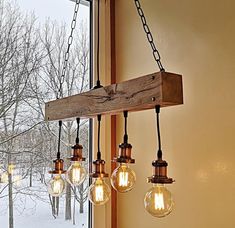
<point>33,41</point>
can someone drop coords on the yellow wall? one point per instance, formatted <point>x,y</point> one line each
<point>195,38</point>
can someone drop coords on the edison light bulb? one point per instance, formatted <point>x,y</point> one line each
<point>158,201</point>
<point>76,174</point>
<point>4,177</point>
<point>99,192</point>
<point>56,186</point>
<point>123,178</point>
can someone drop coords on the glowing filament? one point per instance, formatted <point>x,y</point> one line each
<point>159,201</point>
<point>123,179</point>
<point>56,187</point>
<point>76,174</point>
<point>99,193</point>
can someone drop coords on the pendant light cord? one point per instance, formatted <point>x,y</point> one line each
<point>159,153</point>
<point>99,153</point>
<point>98,85</point>
<point>60,127</point>
<point>78,127</point>
<point>125,113</point>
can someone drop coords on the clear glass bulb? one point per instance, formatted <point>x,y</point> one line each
<point>4,177</point>
<point>123,178</point>
<point>99,192</point>
<point>76,174</point>
<point>158,201</point>
<point>56,186</point>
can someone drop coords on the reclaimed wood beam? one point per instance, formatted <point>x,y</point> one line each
<point>161,88</point>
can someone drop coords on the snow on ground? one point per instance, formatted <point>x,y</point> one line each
<point>31,211</point>
<point>34,211</point>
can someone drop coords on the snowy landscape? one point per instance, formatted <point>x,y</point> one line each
<point>32,212</point>
<point>33,42</point>
<point>33,209</point>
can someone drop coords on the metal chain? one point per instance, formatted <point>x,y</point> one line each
<point>70,41</point>
<point>149,35</point>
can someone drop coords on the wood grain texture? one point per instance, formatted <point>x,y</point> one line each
<point>161,88</point>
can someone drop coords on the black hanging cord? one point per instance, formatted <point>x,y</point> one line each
<point>78,126</point>
<point>60,127</point>
<point>125,113</point>
<point>159,153</point>
<point>98,85</point>
<point>99,153</point>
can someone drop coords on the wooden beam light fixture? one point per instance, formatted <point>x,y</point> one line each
<point>161,88</point>
<point>152,91</point>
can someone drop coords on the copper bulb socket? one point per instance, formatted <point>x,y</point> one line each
<point>99,166</point>
<point>77,153</point>
<point>160,173</point>
<point>59,167</point>
<point>125,154</point>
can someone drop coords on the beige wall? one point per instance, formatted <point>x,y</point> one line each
<point>195,38</point>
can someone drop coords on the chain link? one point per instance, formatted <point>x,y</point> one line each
<point>70,41</point>
<point>149,35</point>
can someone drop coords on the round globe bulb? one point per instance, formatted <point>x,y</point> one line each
<point>76,174</point>
<point>4,177</point>
<point>99,192</point>
<point>158,201</point>
<point>123,178</point>
<point>56,186</point>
